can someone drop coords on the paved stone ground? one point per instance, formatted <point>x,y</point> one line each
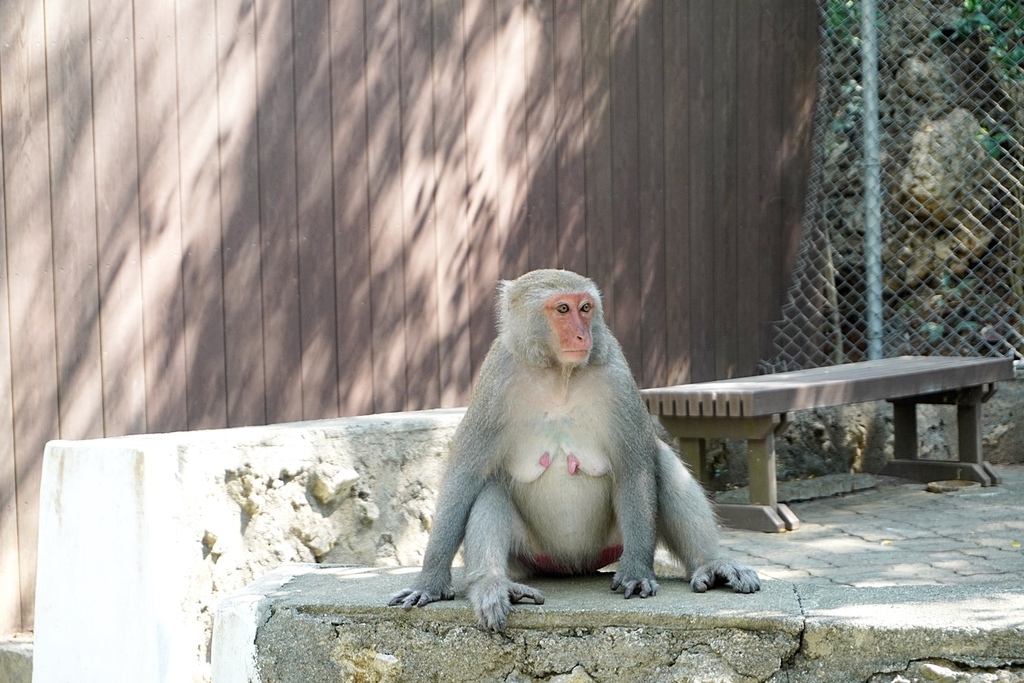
<point>897,535</point>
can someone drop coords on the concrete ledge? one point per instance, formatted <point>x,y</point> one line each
<point>330,623</point>
<point>16,659</point>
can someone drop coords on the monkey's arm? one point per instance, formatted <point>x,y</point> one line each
<point>453,506</point>
<point>686,524</point>
<point>636,505</point>
<point>636,496</point>
<point>473,448</point>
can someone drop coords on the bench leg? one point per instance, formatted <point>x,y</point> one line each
<point>971,465</point>
<point>761,464</point>
<point>968,427</point>
<point>694,453</point>
<point>764,513</point>
<point>757,517</point>
<point>904,427</point>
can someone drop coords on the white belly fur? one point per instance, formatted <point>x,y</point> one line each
<point>569,518</point>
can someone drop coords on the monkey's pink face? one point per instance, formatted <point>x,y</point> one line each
<point>569,316</point>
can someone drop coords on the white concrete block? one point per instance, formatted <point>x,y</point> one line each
<point>141,537</point>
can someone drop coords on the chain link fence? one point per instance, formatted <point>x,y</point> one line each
<point>950,143</point>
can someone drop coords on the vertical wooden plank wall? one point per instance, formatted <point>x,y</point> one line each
<point>228,213</point>
<point>29,290</point>
<point>653,113</point>
<point>419,187</point>
<point>677,154</point>
<point>625,178</point>
<point>10,573</point>
<point>160,217</point>
<point>314,177</point>
<point>276,136</point>
<point>450,209</point>
<point>240,229</point>
<point>351,238</point>
<point>117,229</point>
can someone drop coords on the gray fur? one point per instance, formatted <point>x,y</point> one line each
<point>492,503</point>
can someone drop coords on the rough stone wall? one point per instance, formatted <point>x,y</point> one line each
<point>351,491</point>
<point>363,491</point>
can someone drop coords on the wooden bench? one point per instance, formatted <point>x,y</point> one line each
<point>758,409</point>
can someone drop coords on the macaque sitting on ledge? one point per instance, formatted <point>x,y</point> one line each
<point>557,467</point>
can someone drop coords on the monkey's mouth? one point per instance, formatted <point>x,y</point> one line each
<point>577,355</point>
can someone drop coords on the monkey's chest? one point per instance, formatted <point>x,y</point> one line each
<point>559,448</point>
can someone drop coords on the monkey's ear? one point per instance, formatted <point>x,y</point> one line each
<point>504,294</point>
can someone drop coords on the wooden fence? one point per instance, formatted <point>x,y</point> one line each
<point>251,211</point>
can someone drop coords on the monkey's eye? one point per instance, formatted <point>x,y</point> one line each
<point>562,308</point>
<point>586,306</point>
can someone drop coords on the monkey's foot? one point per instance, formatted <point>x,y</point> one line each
<point>740,578</point>
<point>408,598</point>
<point>493,600</point>
<point>645,588</point>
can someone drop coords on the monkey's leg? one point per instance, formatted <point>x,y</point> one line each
<point>686,524</point>
<point>494,533</point>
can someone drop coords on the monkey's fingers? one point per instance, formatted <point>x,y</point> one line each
<point>744,580</point>
<point>399,597</point>
<point>645,588</point>
<point>721,572</point>
<point>409,598</point>
<point>517,592</point>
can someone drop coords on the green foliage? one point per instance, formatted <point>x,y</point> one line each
<point>999,26</point>
<point>843,20</point>
<point>994,141</point>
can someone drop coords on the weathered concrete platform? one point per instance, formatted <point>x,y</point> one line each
<point>305,622</point>
<point>15,659</point>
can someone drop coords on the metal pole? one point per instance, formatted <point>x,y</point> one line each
<point>872,177</point>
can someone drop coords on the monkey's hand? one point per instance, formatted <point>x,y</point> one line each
<point>740,578</point>
<point>408,598</point>
<point>645,587</point>
<point>493,599</point>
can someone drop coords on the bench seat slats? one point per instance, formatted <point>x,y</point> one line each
<point>887,379</point>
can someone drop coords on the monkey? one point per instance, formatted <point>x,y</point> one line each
<point>558,469</point>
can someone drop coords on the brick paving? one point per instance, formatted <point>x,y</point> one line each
<point>897,535</point>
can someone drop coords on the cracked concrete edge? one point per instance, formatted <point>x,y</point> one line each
<point>841,634</point>
<point>300,610</point>
<point>233,657</point>
<point>864,632</point>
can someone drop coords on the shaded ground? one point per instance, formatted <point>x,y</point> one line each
<point>897,535</point>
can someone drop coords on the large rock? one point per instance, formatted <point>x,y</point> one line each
<point>946,168</point>
<point>944,191</point>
